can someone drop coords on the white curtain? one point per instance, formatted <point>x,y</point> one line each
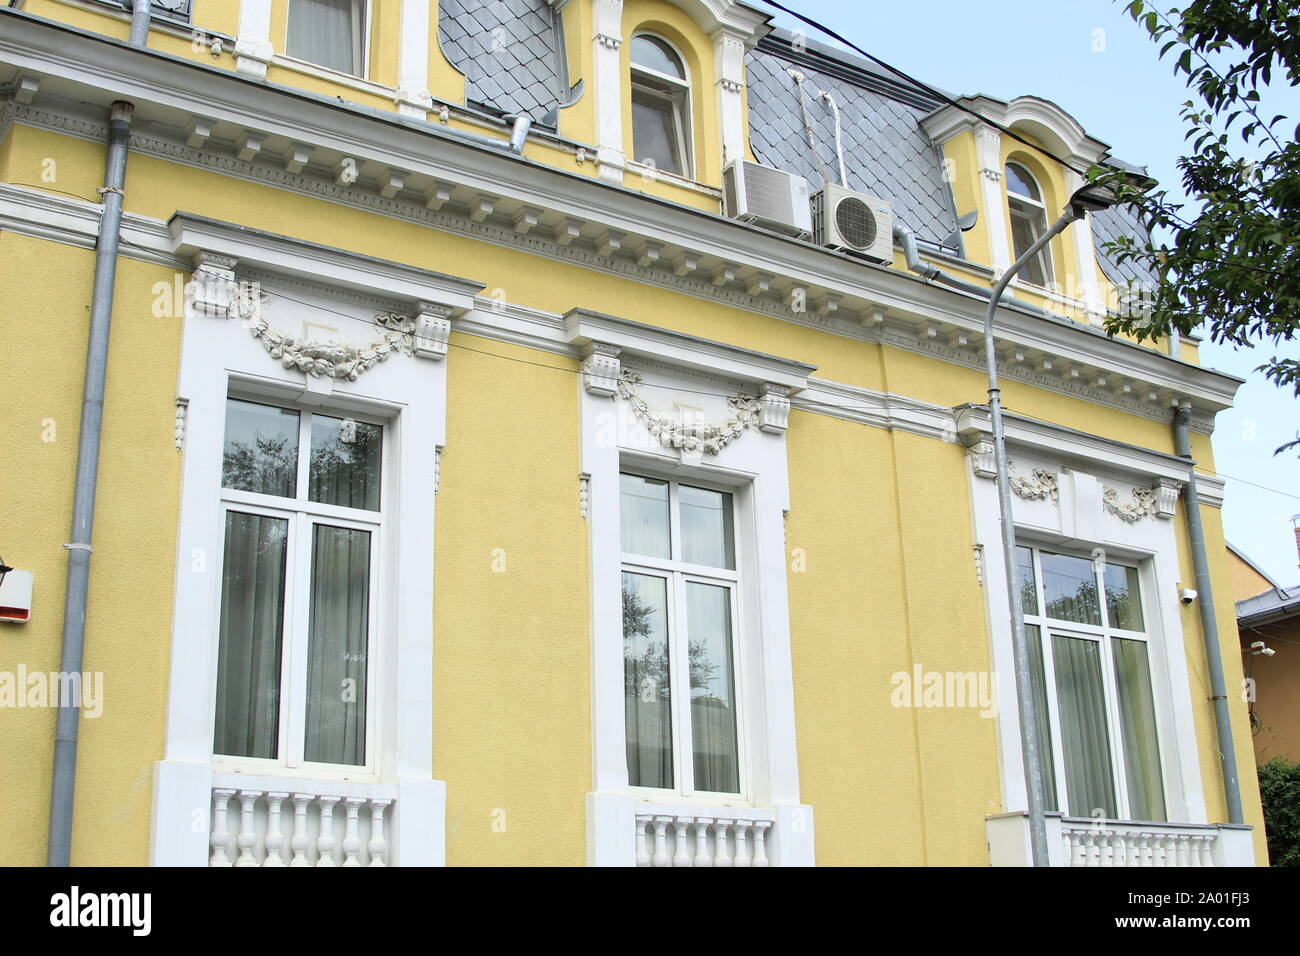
<point>326,32</point>
<point>337,648</point>
<point>1085,739</point>
<point>252,631</point>
<point>1138,728</point>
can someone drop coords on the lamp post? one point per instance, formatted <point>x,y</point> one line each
<point>1089,198</point>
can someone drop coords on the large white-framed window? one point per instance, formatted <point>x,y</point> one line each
<point>302,504</point>
<point>661,106</point>
<point>331,33</point>
<point>680,599</point>
<point>1091,657</point>
<point>1028,222</point>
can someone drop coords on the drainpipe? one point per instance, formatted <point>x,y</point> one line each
<point>67,722</point>
<point>515,144</point>
<point>1209,626</point>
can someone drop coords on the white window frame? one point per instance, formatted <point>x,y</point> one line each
<point>679,573</point>
<point>303,516</point>
<point>361,25</point>
<point>680,100</point>
<point>1035,213</point>
<point>1074,520</point>
<point>309,284</point>
<point>1104,635</point>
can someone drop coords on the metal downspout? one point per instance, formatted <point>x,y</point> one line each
<point>1209,626</point>
<point>67,722</point>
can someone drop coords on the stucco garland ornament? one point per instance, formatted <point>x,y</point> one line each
<point>332,359</point>
<point>1040,484</point>
<point>694,436</point>
<point>1143,504</point>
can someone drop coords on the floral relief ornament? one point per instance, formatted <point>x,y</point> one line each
<point>327,358</point>
<point>1040,484</point>
<point>1143,503</point>
<point>690,436</point>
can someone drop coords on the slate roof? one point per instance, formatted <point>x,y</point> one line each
<point>510,54</point>
<point>1108,225</point>
<point>508,51</point>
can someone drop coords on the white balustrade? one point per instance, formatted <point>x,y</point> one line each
<point>677,838</point>
<point>254,820</point>
<point>1118,843</point>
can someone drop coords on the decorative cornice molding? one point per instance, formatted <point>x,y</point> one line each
<point>331,358</point>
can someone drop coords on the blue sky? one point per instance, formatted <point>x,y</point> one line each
<point>1091,59</point>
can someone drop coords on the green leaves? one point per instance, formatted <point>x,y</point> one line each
<point>1235,267</point>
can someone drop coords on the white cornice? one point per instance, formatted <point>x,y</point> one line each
<point>916,315</point>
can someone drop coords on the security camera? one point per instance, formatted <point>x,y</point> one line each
<point>1187,595</point>
<point>1259,648</point>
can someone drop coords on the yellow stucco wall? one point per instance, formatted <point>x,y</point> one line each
<point>129,614</point>
<point>512,657</point>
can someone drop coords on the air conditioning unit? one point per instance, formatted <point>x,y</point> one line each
<point>856,222</point>
<point>767,197</point>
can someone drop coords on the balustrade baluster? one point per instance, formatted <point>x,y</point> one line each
<point>722,851</point>
<point>702,855</point>
<point>681,842</point>
<point>742,842</point>
<point>352,833</point>
<point>642,849</point>
<point>247,838</point>
<point>760,837</point>
<point>274,833</point>
<point>299,841</point>
<point>661,857</point>
<point>378,845</point>
<point>220,838</point>
<point>325,840</point>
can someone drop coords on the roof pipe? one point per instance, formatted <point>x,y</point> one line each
<point>1209,624</point>
<point>72,655</point>
<point>906,238</point>
<point>519,129</point>
<point>839,138</point>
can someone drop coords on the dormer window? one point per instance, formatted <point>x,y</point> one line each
<point>661,95</point>
<point>1028,222</point>
<point>328,33</point>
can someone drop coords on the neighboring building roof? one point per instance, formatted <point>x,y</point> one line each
<point>1274,605</point>
<point>511,55</point>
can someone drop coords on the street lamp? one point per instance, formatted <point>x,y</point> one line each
<point>1090,198</point>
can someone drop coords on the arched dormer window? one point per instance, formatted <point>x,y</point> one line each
<point>1028,222</point>
<point>661,106</point>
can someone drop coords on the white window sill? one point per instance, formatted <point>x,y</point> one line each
<point>335,76</point>
<point>653,174</point>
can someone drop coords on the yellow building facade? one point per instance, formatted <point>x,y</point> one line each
<point>478,486</point>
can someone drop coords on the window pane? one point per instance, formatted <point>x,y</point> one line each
<point>1028,586</point>
<point>713,688</point>
<point>337,646</point>
<point>345,459</point>
<point>647,692</point>
<point>1137,711</point>
<point>655,54</point>
<point>1085,738</point>
<point>1070,588</point>
<point>1020,182</point>
<point>1123,598</point>
<point>643,516</point>
<point>1026,226</point>
<point>655,131</point>
<point>323,32</point>
<point>261,452</point>
<point>252,632</point>
<point>706,527</point>
<point>1046,755</point>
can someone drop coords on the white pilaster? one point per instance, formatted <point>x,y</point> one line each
<point>729,54</point>
<point>611,158</point>
<point>413,96</point>
<point>253,49</point>
<point>988,153</point>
